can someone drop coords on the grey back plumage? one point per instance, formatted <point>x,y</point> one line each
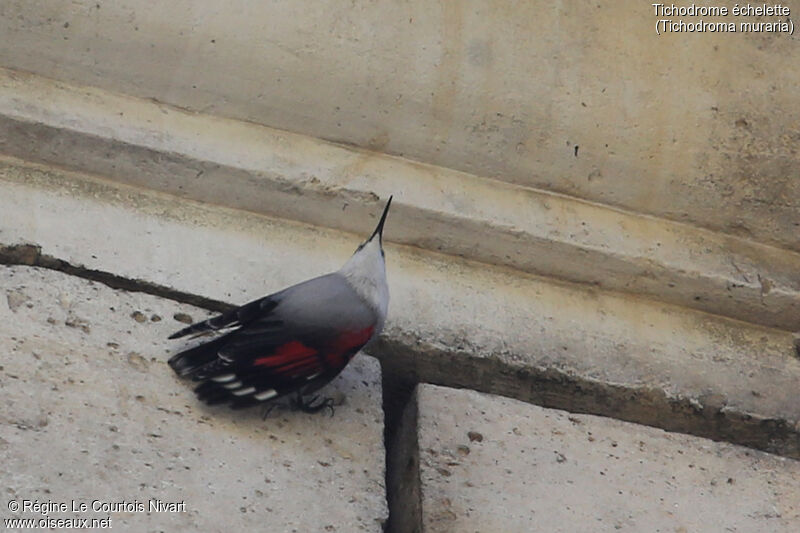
<point>326,303</point>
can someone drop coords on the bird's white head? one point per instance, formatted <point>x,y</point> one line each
<point>366,269</point>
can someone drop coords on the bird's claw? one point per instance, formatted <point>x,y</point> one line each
<point>267,410</point>
<point>310,407</point>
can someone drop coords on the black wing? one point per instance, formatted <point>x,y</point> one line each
<point>233,318</point>
<point>295,340</point>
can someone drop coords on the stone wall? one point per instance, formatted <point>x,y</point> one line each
<point>581,97</point>
<point>592,256</point>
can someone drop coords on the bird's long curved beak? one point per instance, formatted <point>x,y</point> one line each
<point>379,229</point>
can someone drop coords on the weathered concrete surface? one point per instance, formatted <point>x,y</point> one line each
<point>90,411</point>
<point>578,97</point>
<point>450,321</point>
<point>487,464</point>
<point>247,166</point>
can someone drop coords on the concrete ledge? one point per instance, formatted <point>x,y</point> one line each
<point>484,463</point>
<point>708,137</point>
<point>251,167</point>
<point>451,321</point>
<point>90,410</point>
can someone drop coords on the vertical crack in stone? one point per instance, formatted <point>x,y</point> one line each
<point>403,486</point>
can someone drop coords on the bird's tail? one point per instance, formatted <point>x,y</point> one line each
<point>196,361</point>
<point>205,325</point>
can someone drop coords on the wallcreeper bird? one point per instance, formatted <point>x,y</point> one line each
<point>294,341</point>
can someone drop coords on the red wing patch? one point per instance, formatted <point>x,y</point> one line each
<point>291,352</point>
<point>346,345</point>
<point>353,339</point>
<point>295,358</point>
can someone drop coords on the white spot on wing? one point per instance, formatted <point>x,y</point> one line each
<point>223,378</point>
<point>242,392</point>
<point>312,376</point>
<point>235,385</point>
<point>266,395</point>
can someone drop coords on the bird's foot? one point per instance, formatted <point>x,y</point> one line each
<point>311,407</point>
<point>267,409</point>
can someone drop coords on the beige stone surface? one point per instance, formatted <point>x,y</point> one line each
<point>491,464</point>
<point>91,411</point>
<point>247,166</point>
<point>450,321</point>
<point>577,97</point>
